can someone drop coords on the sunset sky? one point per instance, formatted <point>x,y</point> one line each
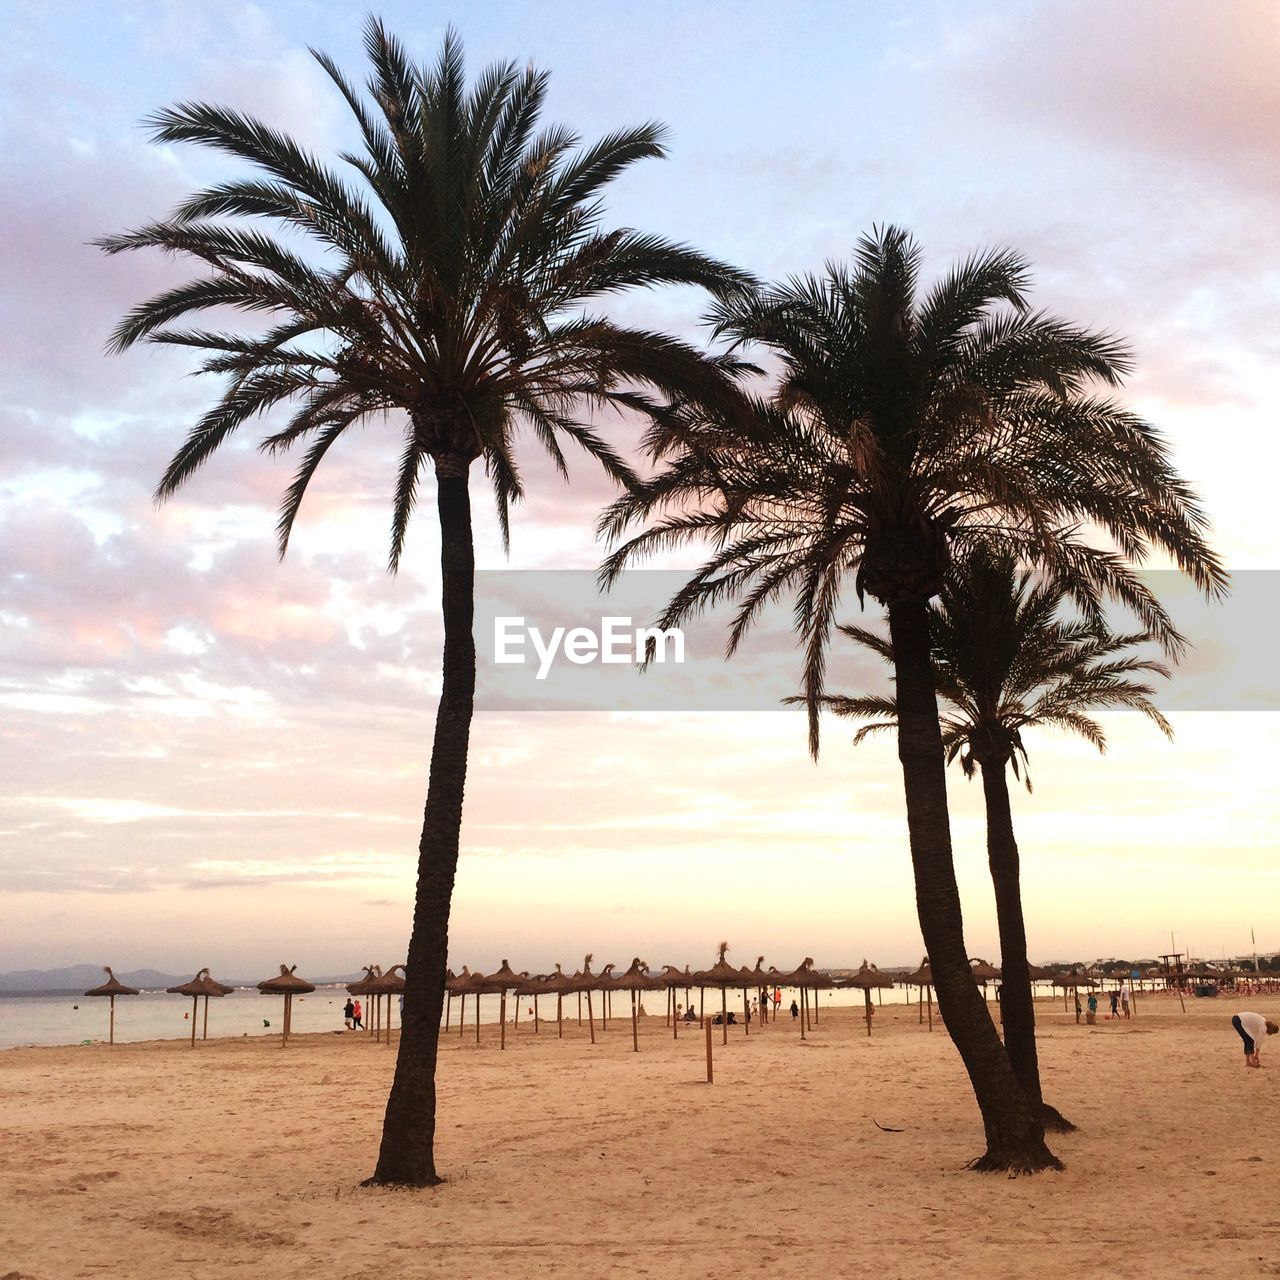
<point>211,757</point>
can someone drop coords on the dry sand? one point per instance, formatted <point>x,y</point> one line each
<point>154,1162</point>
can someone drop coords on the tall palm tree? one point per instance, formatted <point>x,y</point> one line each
<point>436,287</point>
<point>899,426</point>
<point>1006,658</point>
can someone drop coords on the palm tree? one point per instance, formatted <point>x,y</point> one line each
<point>435,287</point>
<point>899,427</point>
<point>1005,659</point>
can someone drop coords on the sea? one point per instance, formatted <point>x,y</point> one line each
<point>154,1015</point>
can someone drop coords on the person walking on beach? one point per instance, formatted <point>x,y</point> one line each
<point>348,1012</point>
<point>357,1014</point>
<point>1124,1000</point>
<point>1115,1004</point>
<point>1092,1016</point>
<point>795,1010</point>
<point>1252,1027</point>
<point>1078,1009</point>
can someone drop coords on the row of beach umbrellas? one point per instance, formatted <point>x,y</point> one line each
<point>637,979</point>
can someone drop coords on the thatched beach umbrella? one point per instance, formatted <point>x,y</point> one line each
<point>866,980</point>
<point>499,982</point>
<point>750,978</point>
<point>1072,982</point>
<point>635,980</point>
<point>288,984</point>
<point>586,981</point>
<point>759,984</point>
<point>922,978</point>
<point>201,985</point>
<point>559,984</point>
<point>723,975</point>
<point>604,984</point>
<point>983,971</point>
<point>531,986</point>
<point>459,985</point>
<point>802,977</point>
<point>111,988</point>
<point>389,984</point>
<point>673,979</point>
<point>362,988</point>
<point>449,979</point>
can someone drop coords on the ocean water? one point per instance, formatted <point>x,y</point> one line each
<point>72,1019</point>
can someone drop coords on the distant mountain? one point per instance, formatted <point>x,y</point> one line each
<point>78,978</point>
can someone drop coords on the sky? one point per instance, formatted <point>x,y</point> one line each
<point>212,757</point>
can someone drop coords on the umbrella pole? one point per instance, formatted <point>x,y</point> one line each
<point>195,1010</point>
<point>111,1039</point>
<point>516,1021</point>
<point>802,1012</point>
<point>930,998</point>
<point>724,1014</point>
<point>591,1022</point>
<point>502,1019</point>
<point>204,1035</point>
<point>675,1022</point>
<point>702,1004</point>
<point>477,1017</point>
<point>284,1022</point>
<point>579,1008</point>
<point>746,1012</point>
<point>635,1041</point>
<point>448,1008</point>
<point>866,995</point>
<point>559,1015</point>
<point>462,1015</point>
<point>388,1019</point>
<point>535,1013</point>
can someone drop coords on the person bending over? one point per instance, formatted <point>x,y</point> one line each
<point>1252,1027</point>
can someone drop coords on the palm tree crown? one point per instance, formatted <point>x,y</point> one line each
<point>444,274</point>
<point>901,425</point>
<point>1006,658</point>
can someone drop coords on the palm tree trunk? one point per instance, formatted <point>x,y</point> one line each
<point>1016,1002</point>
<point>1015,1137</point>
<point>407,1155</point>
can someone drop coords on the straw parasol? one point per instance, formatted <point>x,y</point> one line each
<point>866,979</point>
<point>604,983</point>
<point>673,978</point>
<point>983,971</point>
<point>364,987</point>
<point>459,985</point>
<point>201,985</point>
<point>531,986</point>
<point>559,984</point>
<point>802,977</point>
<point>500,981</point>
<point>389,984</point>
<point>586,981</point>
<point>288,984</point>
<point>634,980</point>
<point>751,978</point>
<point>922,978</point>
<point>723,975</point>
<point>111,988</point>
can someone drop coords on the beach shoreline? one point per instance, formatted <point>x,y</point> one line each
<point>154,1160</point>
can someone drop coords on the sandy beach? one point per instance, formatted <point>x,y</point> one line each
<point>153,1161</point>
